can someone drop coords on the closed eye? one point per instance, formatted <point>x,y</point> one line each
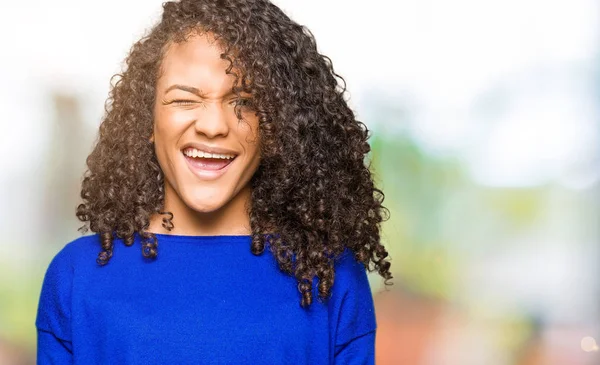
<point>183,102</point>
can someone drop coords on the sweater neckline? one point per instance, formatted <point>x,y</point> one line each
<point>201,238</point>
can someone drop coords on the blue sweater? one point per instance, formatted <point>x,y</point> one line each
<point>204,300</point>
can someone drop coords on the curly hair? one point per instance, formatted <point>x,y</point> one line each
<point>313,187</point>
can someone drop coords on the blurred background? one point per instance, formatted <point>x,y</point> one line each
<point>485,119</point>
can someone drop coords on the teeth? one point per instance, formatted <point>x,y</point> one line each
<point>192,152</point>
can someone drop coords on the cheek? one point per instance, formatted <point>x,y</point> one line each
<point>169,124</point>
<point>166,133</point>
<point>169,127</point>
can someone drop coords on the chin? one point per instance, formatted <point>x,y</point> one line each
<point>189,195</point>
<point>206,207</point>
<point>205,204</point>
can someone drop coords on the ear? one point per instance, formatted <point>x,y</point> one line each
<point>152,138</point>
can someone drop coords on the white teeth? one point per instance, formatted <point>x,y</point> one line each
<point>192,152</point>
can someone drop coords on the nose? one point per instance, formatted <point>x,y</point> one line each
<point>212,121</point>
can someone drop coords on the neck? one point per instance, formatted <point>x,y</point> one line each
<point>231,219</point>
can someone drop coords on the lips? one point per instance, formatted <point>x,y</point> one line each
<point>208,169</point>
<point>207,162</point>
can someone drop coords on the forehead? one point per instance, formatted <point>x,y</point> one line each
<point>196,61</point>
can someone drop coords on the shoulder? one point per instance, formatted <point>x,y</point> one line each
<point>351,305</point>
<point>66,258</point>
<point>81,245</point>
<point>55,297</point>
<point>350,274</point>
<point>68,255</point>
<point>59,273</point>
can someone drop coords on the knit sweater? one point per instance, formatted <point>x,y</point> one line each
<point>203,300</point>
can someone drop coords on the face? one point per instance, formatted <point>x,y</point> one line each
<point>207,155</point>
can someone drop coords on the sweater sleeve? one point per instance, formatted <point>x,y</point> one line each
<point>53,321</point>
<point>355,313</point>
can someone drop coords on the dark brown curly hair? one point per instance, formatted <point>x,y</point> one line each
<point>313,187</point>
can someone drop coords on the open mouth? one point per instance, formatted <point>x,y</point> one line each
<point>208,161</point>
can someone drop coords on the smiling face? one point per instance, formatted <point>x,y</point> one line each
<point>207,155</point>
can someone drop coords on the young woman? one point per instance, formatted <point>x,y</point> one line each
<point>227,141</point>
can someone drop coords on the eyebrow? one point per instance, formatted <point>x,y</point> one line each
<point>189,89</point>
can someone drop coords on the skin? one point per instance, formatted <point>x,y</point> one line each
<point>203,206</point>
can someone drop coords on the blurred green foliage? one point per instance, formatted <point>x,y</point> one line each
<point>415,186</point>
<point>19,292</point>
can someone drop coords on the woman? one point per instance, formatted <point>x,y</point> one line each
<point>227,142</point>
